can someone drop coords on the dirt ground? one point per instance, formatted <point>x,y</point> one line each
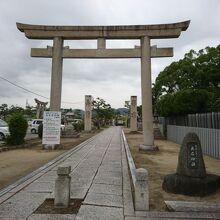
<point>164,162</point>
<point>17,163</point>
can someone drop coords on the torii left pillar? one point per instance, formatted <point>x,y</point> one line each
<point>56,75</point>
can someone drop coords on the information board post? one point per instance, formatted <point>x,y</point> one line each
<point>51,128</point>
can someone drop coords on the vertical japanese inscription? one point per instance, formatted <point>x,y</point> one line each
<point>134,115</point>
<point>88,113</point>
<point>134,102</point>
<point>192,155</point>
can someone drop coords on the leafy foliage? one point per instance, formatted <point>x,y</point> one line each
<point>78,114</point>
<point>3,111</point>
<point>18,128</point>
<point>190,85</point>
<point>6,112</point>
<point>102,112</point>
<point>40,130</point>
<point>185,102</point>
<point>78,126</point>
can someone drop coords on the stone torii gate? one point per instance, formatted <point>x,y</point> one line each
<point>102,33</point>
<point>41,106</point>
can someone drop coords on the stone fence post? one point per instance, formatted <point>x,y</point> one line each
<point>141,190</point>
<point>62,187</point>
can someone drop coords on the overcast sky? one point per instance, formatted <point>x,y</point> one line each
<point>113,80</point>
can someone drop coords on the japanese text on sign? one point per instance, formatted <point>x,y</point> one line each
<point>51,127</point>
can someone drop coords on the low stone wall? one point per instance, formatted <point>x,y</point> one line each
<point>139,178</point>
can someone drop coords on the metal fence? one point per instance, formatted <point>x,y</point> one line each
<point>203,120</point>
<point>209,138</point>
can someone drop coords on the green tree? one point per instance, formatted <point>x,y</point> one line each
<point>139,110</point>
<point>3,111</point>
<point>102,112</point>
<point>185,102</point>
<point>17,128</point>
<point>77,113</point>
<point>197,71</point>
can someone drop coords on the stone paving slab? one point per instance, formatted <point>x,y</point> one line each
<point>89,212</point>
<point>112,163</point>
<point>12,218</point>
<point>128,203</point>
<point>41,187</point>
<point>47,178</point>
<point>51,217</point>
<point>22,185</point>
<point>110,169</point>
<point>78,193</point>
<point>83,173</point>
<point>112,174</point>
<point>75,193</point>
<point>181,206</point>
<point>5,197</point>
<point>103,200</point>
<point>102,171</point>
<point>176,215</point>
<point>22,204</point>
<point>135,218</point>
<point>81,182</point>
<point>113,155</point>
<point>108,180</point>
<point>85,168</point>
<point>106,189</point>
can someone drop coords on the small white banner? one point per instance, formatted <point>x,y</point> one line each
<point>51,127</point>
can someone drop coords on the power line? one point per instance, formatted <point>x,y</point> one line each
<point>27,90</point>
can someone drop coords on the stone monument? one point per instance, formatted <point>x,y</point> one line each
<point>68,131</point>
<point>191,177</point>
<point>88,113</point>
<point>157,133</point>
<point>133,114</point>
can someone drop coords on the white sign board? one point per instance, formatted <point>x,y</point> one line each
<point>51,127</point>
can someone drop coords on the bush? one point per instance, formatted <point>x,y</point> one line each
<point>40,130</point>
<point>78,126</point>
<point>17,128</point>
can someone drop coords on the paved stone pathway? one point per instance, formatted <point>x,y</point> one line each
<point>99,176</point>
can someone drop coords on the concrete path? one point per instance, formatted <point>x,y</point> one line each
<point>99,176</point>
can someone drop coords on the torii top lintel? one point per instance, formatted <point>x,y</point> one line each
<point>157,31</point>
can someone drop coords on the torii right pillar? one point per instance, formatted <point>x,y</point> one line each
<point>146,94</point>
